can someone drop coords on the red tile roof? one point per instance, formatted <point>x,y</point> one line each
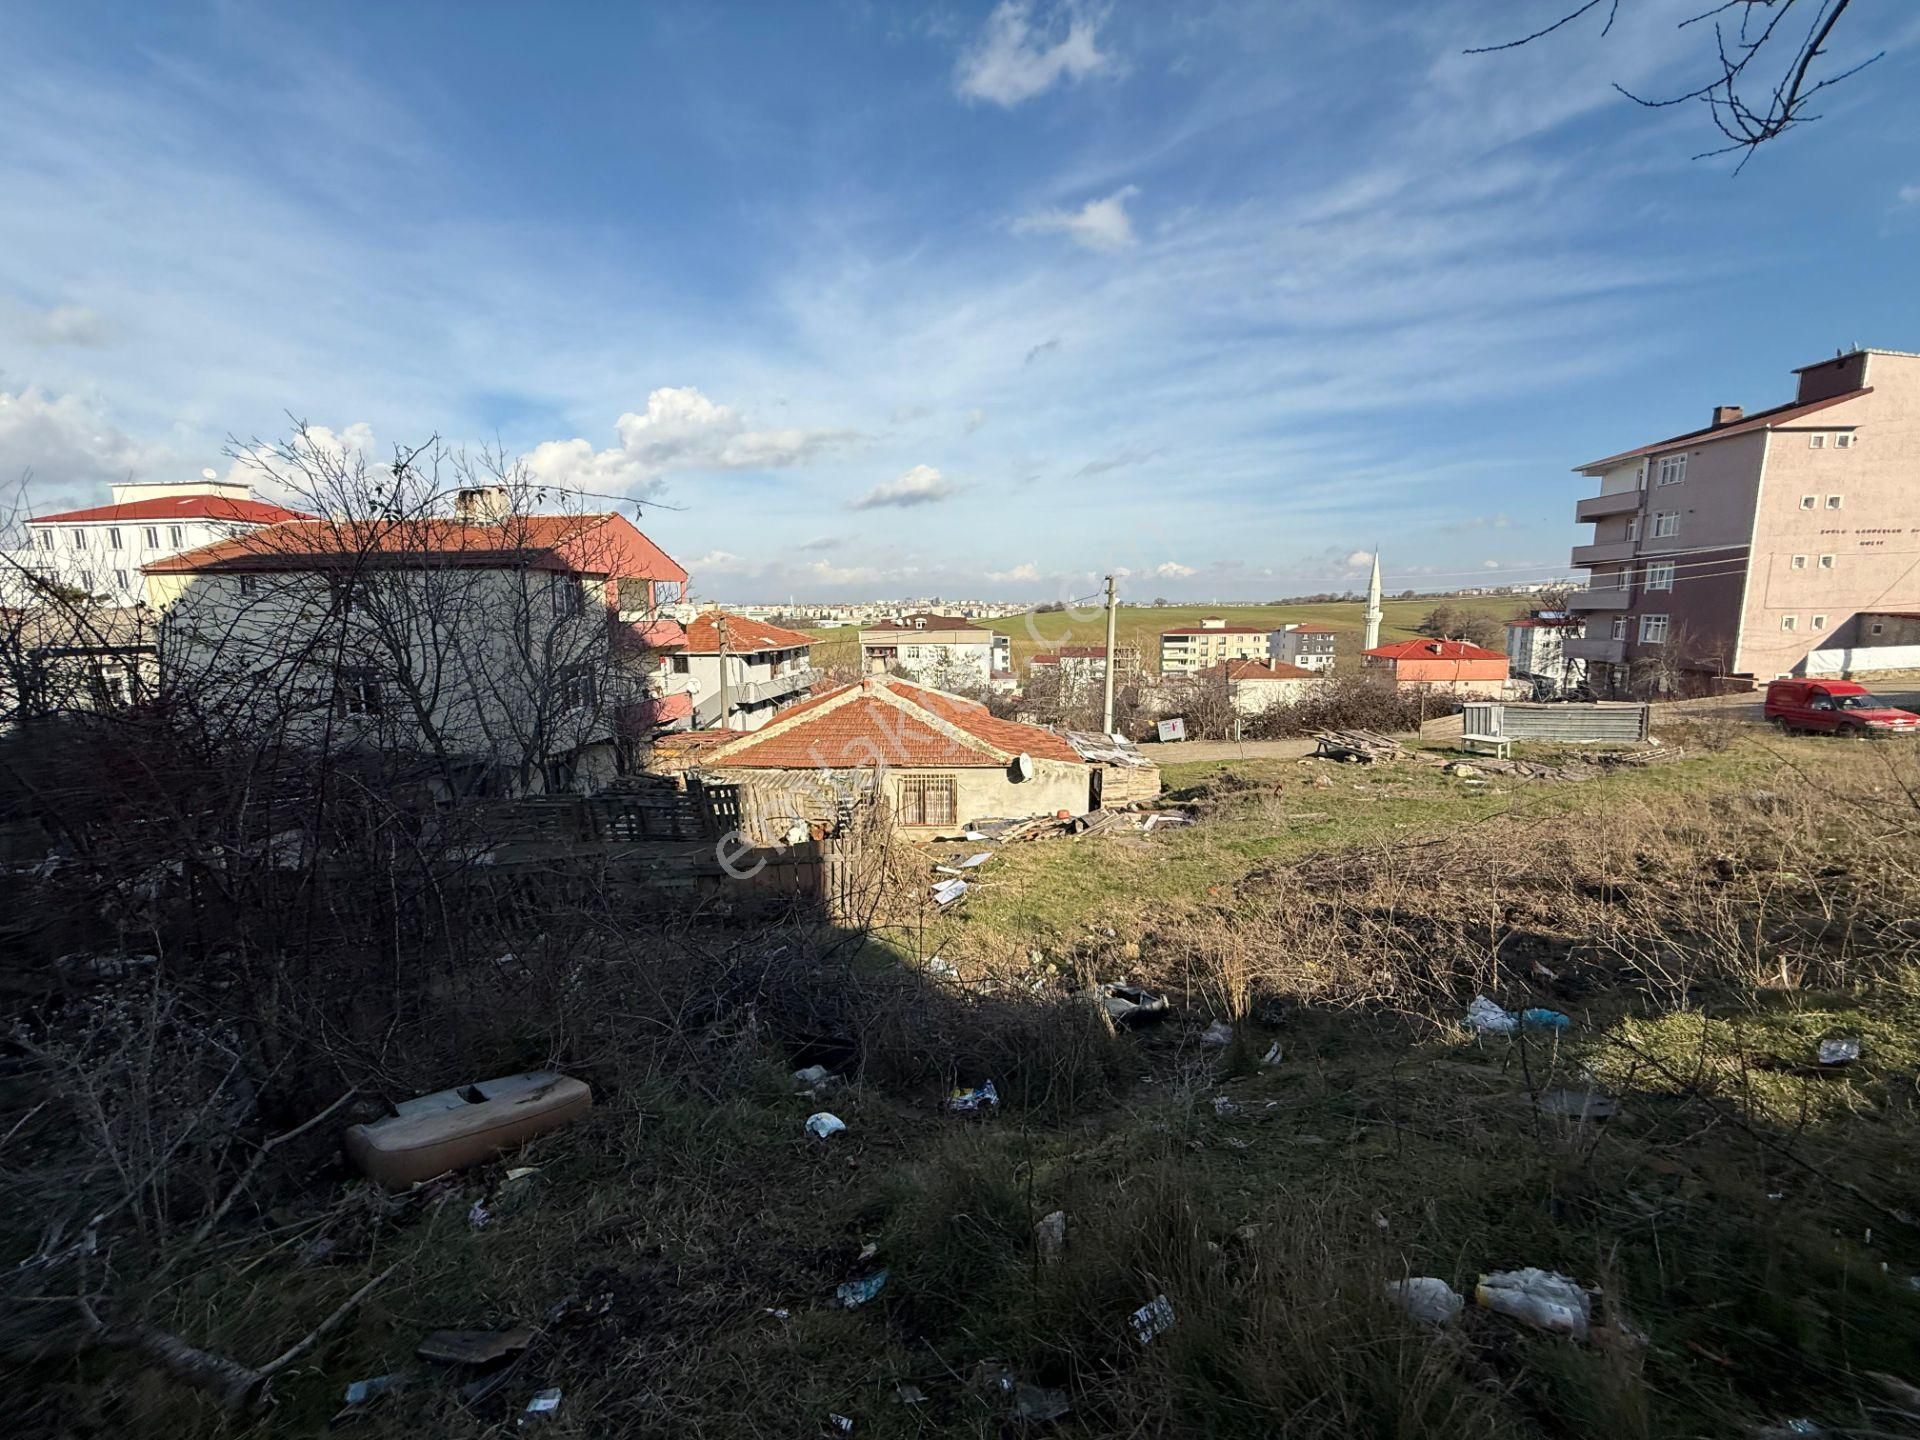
<point>1759,420</point>
<point>1433,650</point>
<point>177,508</point>
<point>886,721</point>
<point>599,544</point>
<point>744,636</point>
<point>1263,670</point>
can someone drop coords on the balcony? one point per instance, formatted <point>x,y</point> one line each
<point>1606,552</point>
<point>1599,507</point>
<point>1603,651</point>
<point>1616,598</point>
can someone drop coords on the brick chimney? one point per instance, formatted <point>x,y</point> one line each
<point>481,504</point>
<point>1726,415</point>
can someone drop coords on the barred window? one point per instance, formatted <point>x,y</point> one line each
<point>927,800</point>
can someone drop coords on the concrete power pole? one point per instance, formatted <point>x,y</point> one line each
<point>726,708</point>
<point>1106,711</point>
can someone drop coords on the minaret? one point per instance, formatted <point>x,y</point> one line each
<point>1372,613</point>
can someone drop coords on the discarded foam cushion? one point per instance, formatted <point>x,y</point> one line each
<point>452,1129</point>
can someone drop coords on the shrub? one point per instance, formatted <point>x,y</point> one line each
<point>1344,702</point>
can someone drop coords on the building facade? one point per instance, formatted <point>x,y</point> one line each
<point>1309,647</point>
<point>1742,548</point>
<point>1537,653</point>
<point>766,667</point>
<point>1191,649</point>
<point>940,650</point>
<point>1453,666</point>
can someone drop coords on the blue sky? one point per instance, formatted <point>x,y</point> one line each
<point>982,299</point>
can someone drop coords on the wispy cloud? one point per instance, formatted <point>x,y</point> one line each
<point>1097,225</point>
<point>1027,49</point>
<point>922,485</point>
<point>1118,460</point>
<point>1173,570</point>
<point>1022,572</point>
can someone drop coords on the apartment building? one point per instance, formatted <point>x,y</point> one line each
<point>936,650</point>
<point>1308,647</point>
<point>1749,546</point>
<point>99,551</point>
<point>1537,653</point>
<point>1193,648</point>
<point>1086,664</point>
<point>766,667</point>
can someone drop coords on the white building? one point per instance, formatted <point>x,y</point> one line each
<point>1307,647</point>
<point>1537,653</point>
<point>1256,686</point>
<point>100,550</point>
<point>939,650</point>
<point>767,667</point>
<point>1193,648</point>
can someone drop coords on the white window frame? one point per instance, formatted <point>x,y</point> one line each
<point>123,580</point>
<point>1670,519</point>
<point>1654,628</point>
<point>1826,562</point>
<point>1633,527</point>
<point>1833,502</point>
<point>1619,627</point>
<point>1809,502</point>
<point>1673,469</point>
<point>77,539</point>
<point>113,538</point>
<point>1660,577</point>
<point>1819,622</point>
<point>1843,441</point>
<point>1789,622</point>
<point>46,539</point>
<point>249,584</point>
<point>1799,562</point>
<point>176,536</point>
<point>153,537</point>
<point>1816,441</point>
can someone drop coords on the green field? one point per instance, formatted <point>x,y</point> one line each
<point>1141,625</point>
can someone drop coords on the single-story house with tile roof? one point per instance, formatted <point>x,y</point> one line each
<point>939,760</point>
<point>1258,685</point>
<point>1451,665</point>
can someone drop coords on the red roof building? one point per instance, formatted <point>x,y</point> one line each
<point>217,508</point>
<point>1446,664</point>
<point>745,636</point>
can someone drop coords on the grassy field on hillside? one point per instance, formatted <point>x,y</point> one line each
<point>1141,625</point>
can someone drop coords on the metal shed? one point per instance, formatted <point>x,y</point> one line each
<point>1601,721</point>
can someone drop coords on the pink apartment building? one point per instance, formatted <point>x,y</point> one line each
<point>1759,545</point>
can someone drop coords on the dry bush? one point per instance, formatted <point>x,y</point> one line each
<point>1346,702</point>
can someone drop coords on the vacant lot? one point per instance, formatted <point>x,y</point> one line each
<point>1745,1221</point>
<point>1141,625</point>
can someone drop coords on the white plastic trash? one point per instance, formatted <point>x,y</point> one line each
<point>1427,1299</point>
<point>1151,1319</point>
<point>1218,1033</point>
<point>1839,1052</point>
<point>1543,1299</point>
<point>1489,1018</point>
<point>1272,1057</point>
<point>824,1124</point>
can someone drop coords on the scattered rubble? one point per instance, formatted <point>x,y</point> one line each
<point>1361,746</point>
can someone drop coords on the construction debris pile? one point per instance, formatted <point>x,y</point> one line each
<point>1361,746</point>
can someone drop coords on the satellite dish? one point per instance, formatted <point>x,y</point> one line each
<point>1022,767</point>
<point>209,474</point>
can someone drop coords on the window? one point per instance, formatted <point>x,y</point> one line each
<point>569,596</point>
<point>356,691</point>
<point>249,584</point>
<point>1816,442</point>
<point>1633,528</point>
<point>46,539</point>
<point>113,538</point>
<point>1660,577</point>
<point>176,536</point>
<point>77,539</point>
<point>927,800</point>
<point>1819,622</point>
<point>1619,627</point>
<point>1826,562</point>
<point>1653,629</point>
<point>122,580</point>
<point>681,665</point>
<point>1808,502</point>
<point>1833,502</point>
<point>1799,562</point>
<point>1666,523</point>
<point>153,537</point>
<point>1788,622</point>
<point>1877,628</point>
<point>577,689</point>
<point>1673,469</point>
<point>1843,442</point>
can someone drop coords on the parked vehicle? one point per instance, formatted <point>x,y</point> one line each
<point>1835,707</point>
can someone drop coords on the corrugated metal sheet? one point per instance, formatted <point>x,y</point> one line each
<point>1599,721</point>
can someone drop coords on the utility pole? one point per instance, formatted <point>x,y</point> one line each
<point>726,717</point>
<point>1106,712</point>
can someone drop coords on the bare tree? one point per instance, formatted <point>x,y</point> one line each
<point>1764,73</point>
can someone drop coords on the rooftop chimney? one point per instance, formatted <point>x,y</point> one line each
<point>1726,415</point>
<point>481,504</point>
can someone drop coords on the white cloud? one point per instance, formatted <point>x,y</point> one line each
<point>1024,571</point>
<point>67,325</point>
<point>1173,570</point>
<point>1097,225</point>
<point>1908,195</point>
<point>1360,560</point>
<point>317,448</point>
<point>681,429</point>
<point>67,445</point>
<point>1018,56</point>
<point>716,560</point>
<point>922,485</point>
<point>1489,564</point>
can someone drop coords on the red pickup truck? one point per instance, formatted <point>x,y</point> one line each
<point>1835,706</point>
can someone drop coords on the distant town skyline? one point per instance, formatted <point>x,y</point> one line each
<point>989,299</point>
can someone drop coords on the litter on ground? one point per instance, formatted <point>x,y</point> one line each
<point>1130,1005</point>
<point>1272,1057</point>
<point>1151,1319</point>
<point>1427,1299</point>
<point>1543,1299</point>
<point>472,1347</point>
<point>1033,1405</point>
<point>855,1293</point>
<point>543,1404</point>
<point>1218,1033</point>
<point>825,1123</point>
<point>1839,1052</point>
<point>1050,1236</point>
<point>978,1097</point>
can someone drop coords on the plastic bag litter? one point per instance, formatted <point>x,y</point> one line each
<point>1050,1236</point>
<point>1839,1052</point>
<point>856,1293</point>
<point>976,1098</point>
<point>824,1124</point>
<point>361,1391</point>
<point>1427,1299</point>
<point>1218,1033</point>
<point>1129,1004</point>
<point>1151,1319</point>
<point>1035,1406</point>
<point>1491,1019</point>
<point>1272,1057</point>
<point>543,1404</point>
<point>842,1423</point>
<point>814,1075</point>
<point>905,1394</point>
<point>1223,1106</point>
<point>1543,1299</point>
<point>1537,1017</point>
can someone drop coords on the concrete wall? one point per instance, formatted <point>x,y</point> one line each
<point>1866,660</point>
<point>980,792</point>
<point>1871,536</point>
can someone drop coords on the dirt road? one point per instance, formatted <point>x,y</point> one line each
<point>1182,750</point>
